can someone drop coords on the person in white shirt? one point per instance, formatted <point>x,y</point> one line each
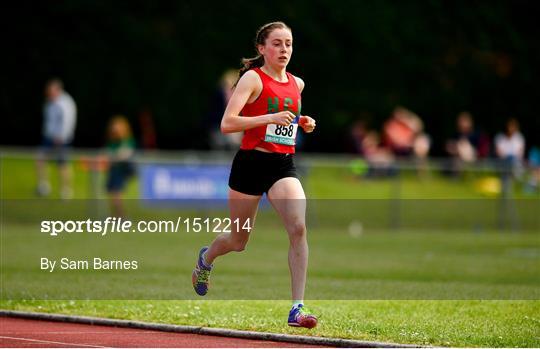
<point>510,149</point>
<point>510,145</point>
<point>59,120</point>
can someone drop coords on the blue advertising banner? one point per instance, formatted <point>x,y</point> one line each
<point>184,183</point>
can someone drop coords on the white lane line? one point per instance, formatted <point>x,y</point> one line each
<point>52,342</point>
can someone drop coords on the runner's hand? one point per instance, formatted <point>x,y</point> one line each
<point>283,118</point>
<point>307,123</point>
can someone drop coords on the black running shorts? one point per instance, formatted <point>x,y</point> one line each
<point>254,172</point>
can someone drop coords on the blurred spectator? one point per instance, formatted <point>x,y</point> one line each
<point>510,149</point>
<point>367,143</point>
<point>404,136</point>
<point>464,144</point>
<point>467,145</point>
<point>421,146</point>
<point>120,153</point>
<point>218,140</point>
<point>59,119</point>
<point>402,130</point>
<point>379,158</point>
<point>510,145</point>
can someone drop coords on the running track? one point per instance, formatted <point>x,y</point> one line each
<point>25,333</point>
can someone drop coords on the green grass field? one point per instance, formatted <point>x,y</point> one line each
<point>453,281</point>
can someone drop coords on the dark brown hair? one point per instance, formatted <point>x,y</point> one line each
<point>260,39</point>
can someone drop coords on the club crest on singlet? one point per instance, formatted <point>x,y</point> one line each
<point>282,134</point>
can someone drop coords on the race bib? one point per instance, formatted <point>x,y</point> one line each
<point>281,134</point>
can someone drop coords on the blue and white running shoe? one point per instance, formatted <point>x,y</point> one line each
<point>201,274</point>
<point>299,316</point>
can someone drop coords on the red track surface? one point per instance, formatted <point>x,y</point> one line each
<point>15,332</point>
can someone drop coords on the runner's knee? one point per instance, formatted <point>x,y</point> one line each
<point>297,230</point>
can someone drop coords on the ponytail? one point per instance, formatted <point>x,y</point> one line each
<point>250,63</point>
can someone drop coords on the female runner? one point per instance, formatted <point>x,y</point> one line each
<point>266,105</point>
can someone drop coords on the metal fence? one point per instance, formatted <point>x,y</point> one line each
<point>501,186</point>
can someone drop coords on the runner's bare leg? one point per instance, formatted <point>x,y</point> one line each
<point>242,207</point>
<point>288,199</point>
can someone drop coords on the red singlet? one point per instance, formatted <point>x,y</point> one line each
<point>275,97</point>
